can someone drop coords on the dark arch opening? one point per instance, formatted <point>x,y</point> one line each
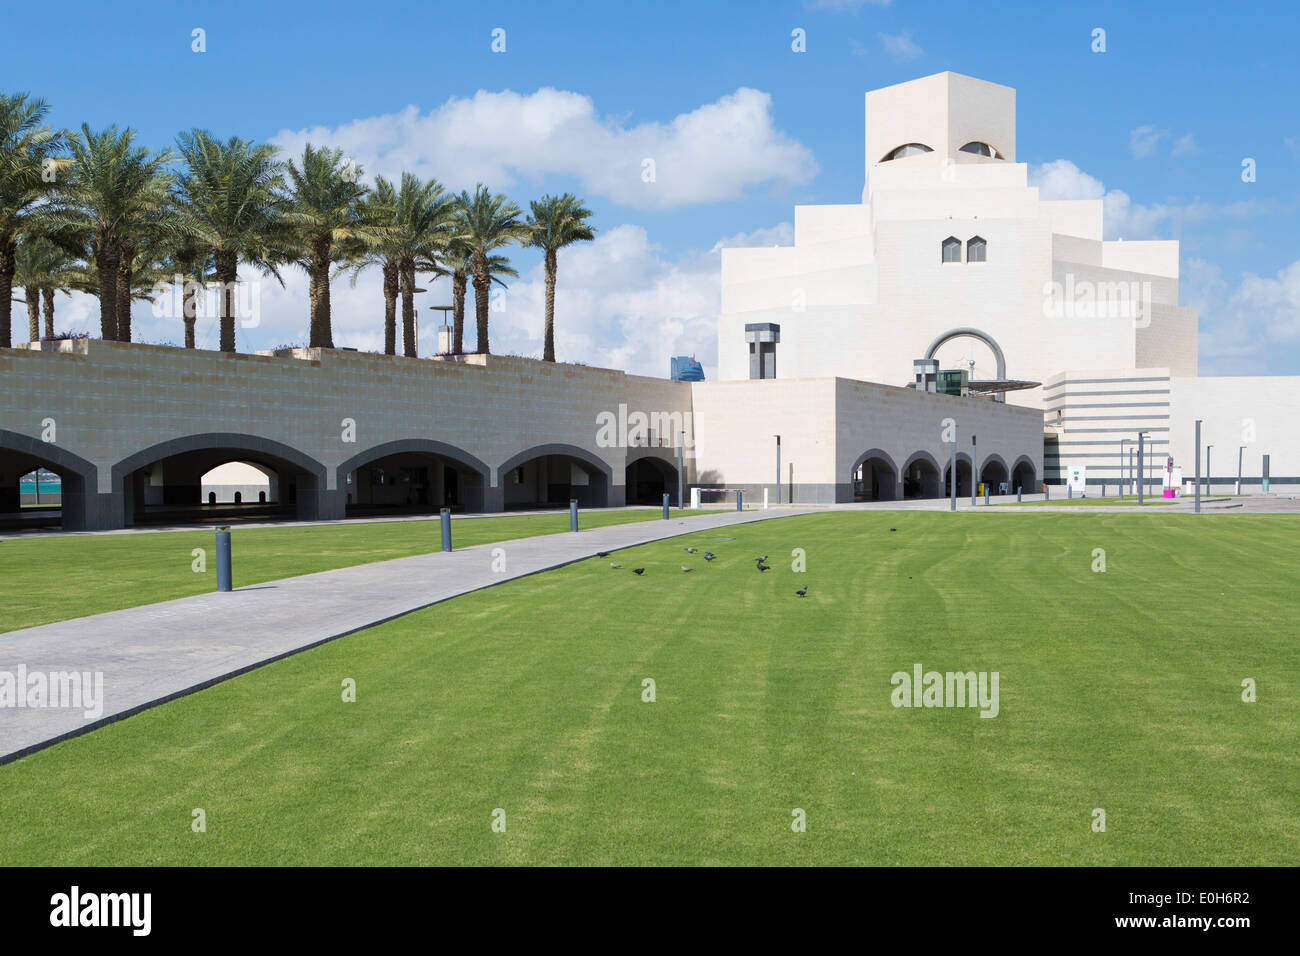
<point>994,475</point>
<point>549,476</point>
<point>31,498</point>
<point>164,483</point>
<point>874,476</point>
<point>648,479</point>
<point>412,476</point>
<point>921,476</point>
<point>963,476</point>
<point>1023,476</point>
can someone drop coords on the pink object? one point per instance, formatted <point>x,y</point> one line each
<point>1169,492</point>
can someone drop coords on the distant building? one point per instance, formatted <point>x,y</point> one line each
<point>684,368</point>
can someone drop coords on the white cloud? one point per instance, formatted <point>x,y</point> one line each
<point>716,152</point>
<point>900,47</point>
<point>1185,146</point>
<point>1144,140</point>
<point>1121,216</point>
<point>620,303</point>
<point>781,234</point>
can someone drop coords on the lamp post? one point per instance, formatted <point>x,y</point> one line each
<point>1122,443</point>
<point>778,469</point>
<point>1197,452</point>
<point>952,476</point>
<point>1240,450</point>
<point>1209,490</point>
<point>444,309</point>
<point>973,459</point>
<point>681,443</point>
<point>1142,469</point>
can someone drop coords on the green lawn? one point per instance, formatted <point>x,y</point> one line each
<point>55,578</point>
<point>1118,690</point>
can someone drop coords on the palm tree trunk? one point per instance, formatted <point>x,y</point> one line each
<point>106,265</point>
<point>390,308</point>
<point>126,257</point>
<point>47,296</point>
<point>32,296</point>
<point>408,308</point>
<point>458,282</point>
<point>189,309</point>
<point>227,265</point>
<point>8,265</point>
<point>322,336</point>
<point>548,352</point>
<point>482,284</point>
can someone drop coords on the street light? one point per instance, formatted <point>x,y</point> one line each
<point>1142,469</point>
<point>1122,443</point>
<point>1240,449</point>
<point>778,469</point>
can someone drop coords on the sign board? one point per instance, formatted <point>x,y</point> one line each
<point>1076,477</point>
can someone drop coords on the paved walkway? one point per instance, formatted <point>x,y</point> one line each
<point>158,652</point>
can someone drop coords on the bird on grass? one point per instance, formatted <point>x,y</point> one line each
<point>762,558</point>
<point>602,554</point>
<point>685,568</point>
<point>893,529</point>
<point>709,556</point>
<point>613,565</point>
<point>690,550</point>
<point>638,570</point>
<point>763,567</point>
<point>802,591</point>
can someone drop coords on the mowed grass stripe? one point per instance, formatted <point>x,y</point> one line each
<point>1118,690</point>
<point>56,578</point>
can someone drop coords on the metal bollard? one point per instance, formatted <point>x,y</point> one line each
<point>573,514</point>
<point>1069,491</point>
<point>223,558</point>
<point>665,507</point>
<point>986,493</point>
<point>740,495</point>
<point>1018,492</point>
<point>445,519</point>
<point>1047,492</point>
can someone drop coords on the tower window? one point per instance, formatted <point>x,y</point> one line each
<point>952,249</point>
<point>976,250</point>
<point>907,149</point>
<point>981,149</point>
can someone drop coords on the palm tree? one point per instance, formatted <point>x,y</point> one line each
<point>556,222</point>
<point>324,211</point>
<point>486,221</point>
<point>42,268</point>
<point>28,155</point>
<point>114,194</point>
<point>229,200</point>
<point>376,247</point>
<point>189,261</point>
<point>420,227</point>
<point>456,256</point>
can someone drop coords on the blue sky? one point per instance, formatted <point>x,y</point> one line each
<point>743,128</point>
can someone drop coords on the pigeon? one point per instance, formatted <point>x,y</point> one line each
<point>893,529</point>
<point>690,550</point>
<point>763,567</point>
<point>762,558</point>
<point>602,554</point>
<point>638,570</point>
<point>685,568</point>
<point>709,556</point>
<point>802,591</point>
<point>613,565</point>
